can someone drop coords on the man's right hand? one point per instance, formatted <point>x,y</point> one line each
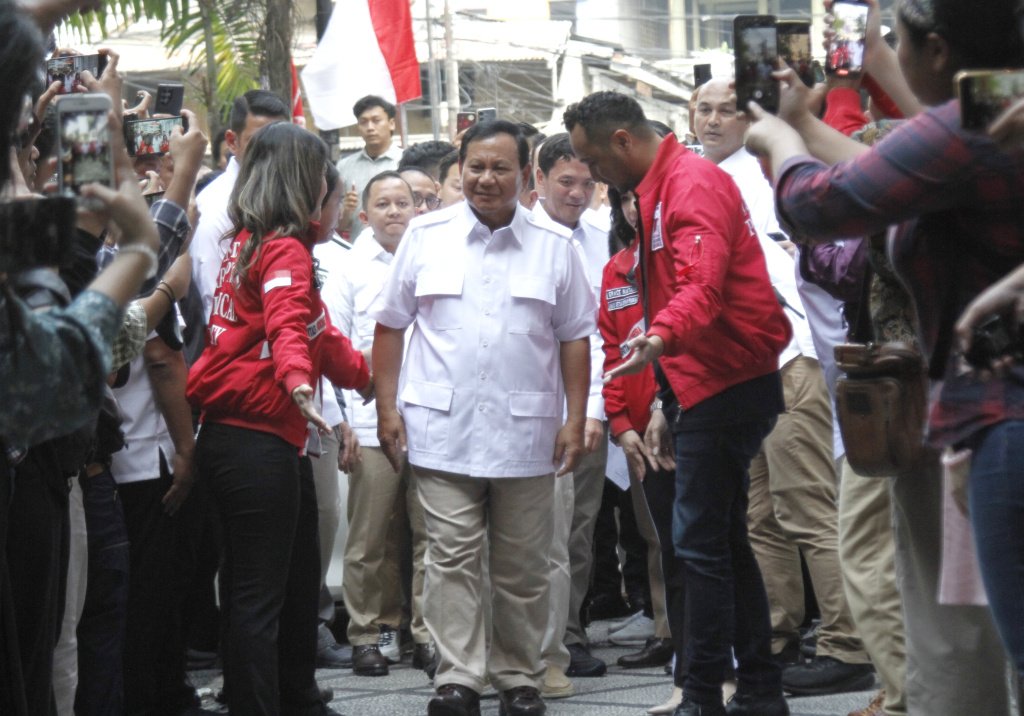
<point>391,434</point>
<point>636,453</point>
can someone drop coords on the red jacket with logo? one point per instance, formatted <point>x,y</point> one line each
<point>627,400</point>
<point>710,299</point>
<point>267,337</point>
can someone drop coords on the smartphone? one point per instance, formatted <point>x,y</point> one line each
<point>83,142</point>
<point>464,120</point>
<point>985,94</point>
<point>151,137</point>
<point>169,98</point>
<point>486,114</point>
<point>795,48</point>
<point>845,53</point>
<point>701,75</point>
<point>36,232</point>
<point>68,70</point>
<point>756,55</point>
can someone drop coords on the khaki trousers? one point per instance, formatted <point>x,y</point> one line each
<point>588,487</point>
<point>656,578</point>
<point>867,552</point>
<point>553,649</point>
<point>513,516</point>
<point>381,504</point>
<point>793,510</point>
<point>956,664</point>
<point>328,513</point>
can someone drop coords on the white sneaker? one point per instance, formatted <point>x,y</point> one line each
<point>636,633</point>
<point>387,641</point>
<point>622,623</point>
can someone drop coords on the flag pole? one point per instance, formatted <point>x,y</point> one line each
<point>404,120</point>
<point>433,79</point>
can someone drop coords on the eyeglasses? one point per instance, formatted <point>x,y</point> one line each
<point>432,200</point>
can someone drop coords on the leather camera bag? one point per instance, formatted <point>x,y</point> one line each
<point>881,404</point>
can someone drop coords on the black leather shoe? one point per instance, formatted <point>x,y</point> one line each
<point>825,675</point>
<point>582,663</point>
<point>656,652</point>
<point>422,655</point>
<point>368,661</point>
<point>789,656</point>
<point>745,705</point>
<point>521,701</point>
<point>689,707</point>
<point>454,700</point>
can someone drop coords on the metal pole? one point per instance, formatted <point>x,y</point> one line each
<point>434,78</point>
<point>451,71</point>
<point>403,119</point>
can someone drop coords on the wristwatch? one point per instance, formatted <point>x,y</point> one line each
<point>656,404</point>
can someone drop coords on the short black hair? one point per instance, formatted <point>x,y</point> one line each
<point>601,113</point>
<point>217,144</point>
<point>369,102</point>
<point>980,34</point>
<point>529,130</point>
<point>660,128</point>
<point>426,156</point>
<point>486,130</point>
<point>387,174</point>
<point>554,149</point>
<point>259,103</point>
<point>332,177</point>
<point>451,159</point>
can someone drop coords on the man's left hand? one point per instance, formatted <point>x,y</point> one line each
<point>568,448</point>
<point>181,485</point>
<point>593,434</point>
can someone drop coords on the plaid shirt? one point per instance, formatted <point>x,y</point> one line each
<point>958,202</point>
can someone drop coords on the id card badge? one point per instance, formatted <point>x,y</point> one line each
<point>314,446</point>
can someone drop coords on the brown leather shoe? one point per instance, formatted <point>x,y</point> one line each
<point>521,701</point>
<point>454,700</point>
<point>368,661</point>
<point>875,708</point>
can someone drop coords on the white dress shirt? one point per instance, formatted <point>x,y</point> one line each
<point>757,194</point>
<point>145,431</point>
<point>591,242</point>
<point>331,257</point>
<point>481,388</point>
<point>208,245</point>
<point>348,294</point>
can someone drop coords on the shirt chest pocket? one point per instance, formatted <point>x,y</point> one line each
<point>439,295</point>
<point>533,300</point>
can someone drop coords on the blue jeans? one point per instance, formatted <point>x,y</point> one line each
<point>996,493</point>
<point>726,599</point>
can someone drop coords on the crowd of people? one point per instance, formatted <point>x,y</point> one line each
<point>522,354</point>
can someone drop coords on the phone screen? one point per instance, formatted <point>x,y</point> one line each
<point>85,148</point>
<point>846,50</point>
<point>464,120</point>
<point>986,95</point>
<point>68,71</point>
<point>756,54</point>
<point>150,137</point>
<point>795,49</point>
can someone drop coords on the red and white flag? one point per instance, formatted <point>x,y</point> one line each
<point>368,48</point>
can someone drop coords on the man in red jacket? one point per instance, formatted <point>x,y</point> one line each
<point>715,328</point>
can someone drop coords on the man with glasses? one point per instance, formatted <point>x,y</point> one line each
<point>424,189</point>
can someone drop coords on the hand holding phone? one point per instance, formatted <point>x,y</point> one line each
<point>84,142</point>
<point>794,38</point>
<point>151,137</point>
<point>844,55</point>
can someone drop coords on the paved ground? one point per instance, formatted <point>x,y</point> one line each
<point>621,693</point>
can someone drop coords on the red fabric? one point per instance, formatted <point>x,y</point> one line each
<point>709,298</point>
<point>882,100</point>
<point>842,110</point>
<point>392,23</point>
<point>627,401</point>
<point>298,115</point>
<point>259,344</point>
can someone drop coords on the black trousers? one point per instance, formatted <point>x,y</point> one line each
<point>608,577</point>
<point>101,628</point>
<point>270,575</point>
<point>162,559</point>
<point>660,491</point>
<point>37,562</point>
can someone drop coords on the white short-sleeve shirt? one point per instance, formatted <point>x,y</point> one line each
<point>481,387</point>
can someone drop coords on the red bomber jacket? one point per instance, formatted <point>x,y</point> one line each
<point>710,299</point>
<point>627,401</point>
<point>267,337</point>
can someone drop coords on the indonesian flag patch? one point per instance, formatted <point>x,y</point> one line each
<point>277,279</point>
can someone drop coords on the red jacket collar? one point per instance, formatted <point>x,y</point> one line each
<point>668,150</point>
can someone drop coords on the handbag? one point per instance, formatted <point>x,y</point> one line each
<point>881,406</point>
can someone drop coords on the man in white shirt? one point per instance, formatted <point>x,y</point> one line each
<point>502,313</point>
<point>381,505</point>
<point>249,113</point>
<point>793,496</point>
<point>566,188</point>
<point>375,121</point>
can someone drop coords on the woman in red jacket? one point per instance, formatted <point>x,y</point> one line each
<point>268,342</point>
